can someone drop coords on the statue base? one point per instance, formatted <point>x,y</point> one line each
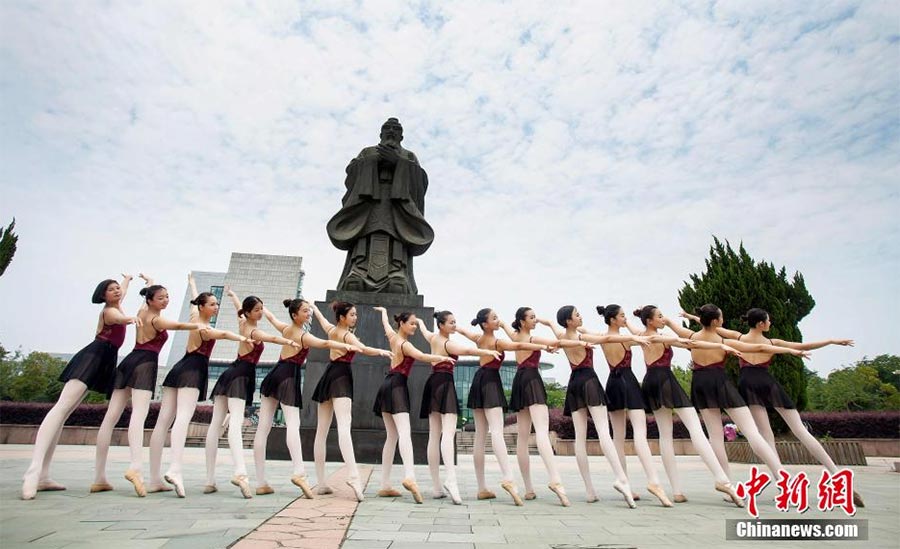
<point>367,429</point>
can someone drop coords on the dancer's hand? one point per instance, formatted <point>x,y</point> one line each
<point>802,354</point>
<point>731,351</point>
<point>380,309</point>
<point>843,342</point>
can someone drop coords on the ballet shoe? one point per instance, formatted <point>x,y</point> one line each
<point>29,489</point>
<point>679,498</point>
<point>660,494</point>
<point>210,489</point>
<point>452,489</point>
<point>560,493</point>
<point>242,482</point>
<point>323,490</point>
<point>413,488</point>
<point>300,482</point>
<point>486,494</point>
<point>135,478</point>
<point>858,500</point>
<point>388,493</point>
<point>158,487</point>
<point>101,487</point>
<point>49,485</point>
<point>730,495</point>
<point>177,484</point>
<point>592,498</point>
<point>529,496</point>
<point>357,489</point>
<point>513,492</point>
<point>626,492</point>
<point>264,490</point>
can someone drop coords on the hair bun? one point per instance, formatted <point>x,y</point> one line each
<point>474,322</point>
<point>287,302</point>
<point>436,315</point>
<point>143,291</point>
<point>637,313</point>
<point>397,319</point>
<point>194,301</point>
<point>601,310</point>
<point>697,310</point>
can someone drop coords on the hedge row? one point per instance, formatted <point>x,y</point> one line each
<point>86,415</point>
<point>877,424</point>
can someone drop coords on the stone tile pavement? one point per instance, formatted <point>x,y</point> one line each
<point>76,519</point>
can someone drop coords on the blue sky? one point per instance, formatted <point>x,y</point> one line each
<point>584,154</point>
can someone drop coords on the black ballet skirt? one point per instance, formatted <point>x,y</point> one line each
<point>711,388</point>
<point>527,389</point>
<point>584,390</point>
<point>662,390</point>
<point>758,387</point>
<point>137,371</point>
<point>336,382</point>
<point>191,372</point>
<point>283,384</point>
<point>238,381</point>
<point>439,395</point>
<point>487,390</point>
<point>94,365</point>
<point>623,392</point>
<point>393,395</point>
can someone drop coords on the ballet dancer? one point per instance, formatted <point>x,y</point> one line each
<point>440,404</point>
<point>93,367</point>
<point>664,395</point>
<point>234,389</point>
<point>586,398</point>
<point>761,391</point>
<point>184,386</point>
<point>712,390</point>
<point>392,402</point>
<point>334,393</point>
<point>135,379</point>
<point>282,386</point>
<point>488,402</point>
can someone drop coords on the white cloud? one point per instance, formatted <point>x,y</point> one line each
<point>582,155</point>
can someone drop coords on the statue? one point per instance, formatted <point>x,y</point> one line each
<point>381,223</point>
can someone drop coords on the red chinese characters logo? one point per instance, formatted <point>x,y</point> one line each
<point>833,490</point>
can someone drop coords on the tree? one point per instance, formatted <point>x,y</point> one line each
<point>735,282</point>
<point>33,378</point>
<point>866,385</point>
<point>8,241</point>
<point>556,394</point>
<point>683,375</point>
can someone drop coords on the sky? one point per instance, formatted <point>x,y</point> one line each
<point>583,154</point>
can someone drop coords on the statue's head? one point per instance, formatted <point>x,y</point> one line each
<point>391,132</point>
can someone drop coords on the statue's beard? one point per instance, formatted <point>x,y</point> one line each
<point>392,142</point>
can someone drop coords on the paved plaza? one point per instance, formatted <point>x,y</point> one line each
<point>75,519</point>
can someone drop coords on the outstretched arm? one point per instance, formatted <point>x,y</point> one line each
<point>631,328</point>
<point>764,348</point>
<point>468,334</point>
<point>273,320</point>
<point>506,345</point>
<point>464,350</point>
<point>509,331</point>
<point>212,333</point>
<point>365,349</point>
<point>678,328</point>
<point>126,280</point>
<point>388,329</point>
<point>323,322</point>
<point>615,338</point>
<point>234,298</point>
<point>424,357</point>
<point>114,315</point>
<point>557,330</point>
<point>160,323</point>
<point>260,335</point>
<point>316,343</point>
<point>812,345</point>
<point>427,334</point>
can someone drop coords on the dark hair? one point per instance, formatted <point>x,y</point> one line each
<point>100,293</point>
<point>754,316</point>
<point>247,305</point>
<point>202,299</point>
<point>293,305</point>
<point>520,316</point>
<point>402,317</point>
<point>564,314</point>
<point>481,317</point>
<point>341,308</point>
<point>441,317</point>
<point>150,291</point>
<point>708,313</point>
<point>608,312</point>
<point>645,313</point>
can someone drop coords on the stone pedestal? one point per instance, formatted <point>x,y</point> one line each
<point>368,374</point>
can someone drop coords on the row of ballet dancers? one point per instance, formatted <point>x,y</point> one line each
<point>623,399</point>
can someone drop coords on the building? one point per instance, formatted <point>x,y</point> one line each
<point>272,278</point>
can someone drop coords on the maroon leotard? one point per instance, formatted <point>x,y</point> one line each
<point>625,362</point>
<point>664,361</point>
<point>113,333</point>
<point>587,361</point>
<point>155,344</point>
<point>533,360</point>
<point>253,356</point>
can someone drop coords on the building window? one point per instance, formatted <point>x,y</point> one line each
<point>216,291</point>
